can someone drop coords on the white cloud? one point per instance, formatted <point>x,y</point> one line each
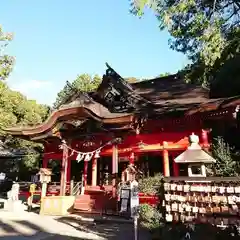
<point>26,87</point>
<point>41,91</point>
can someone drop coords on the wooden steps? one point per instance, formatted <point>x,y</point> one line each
<point>82,203</point>
<point>95,201</point>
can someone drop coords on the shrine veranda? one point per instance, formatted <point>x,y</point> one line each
<point>146,124</point>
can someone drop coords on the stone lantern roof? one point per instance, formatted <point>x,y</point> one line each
<point>194,153</point>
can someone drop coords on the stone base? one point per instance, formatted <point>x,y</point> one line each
<point>57,205</point>
<point>14,206</point>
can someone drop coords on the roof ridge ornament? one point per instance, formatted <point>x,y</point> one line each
<point>117,95</point>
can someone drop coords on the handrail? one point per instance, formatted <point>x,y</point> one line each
<point>76,189</point>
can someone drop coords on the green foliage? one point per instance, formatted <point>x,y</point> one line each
<point>164,74</point>
<point>148,185</point>
<point>6,62</point>
<point>83,83</point>
<point>17,110</point>
<point>150,217</point>
<point>226,165</point>
<point>203,30</point>
<point>131,80</point>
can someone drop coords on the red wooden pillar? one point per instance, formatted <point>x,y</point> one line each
<point>85,170</point>
<point>175,169</point>
<point>205,138</point>
<point>45,159</point>
<point>64,169</point>
<point>69,171</point>
<point>94,171</point>
<point>166,168</point>
<point>175,165</point>
<point>45,162</point>
<point>114,164</point>
<point>132,158</point>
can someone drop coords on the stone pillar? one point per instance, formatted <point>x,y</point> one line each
<point>94,171</point>
<point>64,169</point>
<point>166,168</point>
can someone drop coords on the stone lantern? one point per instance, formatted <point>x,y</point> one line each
<point>195,158</point>
<point>45,177</point>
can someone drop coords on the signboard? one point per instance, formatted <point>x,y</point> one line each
<point>134,201</point>
<point>125,196</point>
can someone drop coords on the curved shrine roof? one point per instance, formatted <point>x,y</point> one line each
<point>159,96</point>
<point>81,108</point>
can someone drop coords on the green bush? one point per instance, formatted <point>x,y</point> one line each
<point>150,217</point>
<point>148,185</point>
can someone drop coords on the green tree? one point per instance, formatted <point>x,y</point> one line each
<point>83,83</point>
<point>226,165</point>
<point>203,30</point>
<point>17,110</point>
<point>131,80</point>
<point>6,61</point>
<point>164,74</point>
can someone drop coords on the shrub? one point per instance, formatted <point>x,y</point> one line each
<point>150,217</point>
<point>148,185</point>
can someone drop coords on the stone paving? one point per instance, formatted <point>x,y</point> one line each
<point>23,226</point>
<point>32,226</point>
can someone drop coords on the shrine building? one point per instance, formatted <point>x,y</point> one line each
<point>146,124</point>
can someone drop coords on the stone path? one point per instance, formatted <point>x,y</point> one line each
<point>26,225</point>
<point>32,226</point>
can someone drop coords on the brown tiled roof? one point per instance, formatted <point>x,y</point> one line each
<point>166,94</point>
<point>171,93</point>
<point>99,110</point>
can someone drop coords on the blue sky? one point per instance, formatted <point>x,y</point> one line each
<point>55,40</point>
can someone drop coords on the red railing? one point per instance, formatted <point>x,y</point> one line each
<point>54,188</point>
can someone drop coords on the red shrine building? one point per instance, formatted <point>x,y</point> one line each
<point>146,123</point>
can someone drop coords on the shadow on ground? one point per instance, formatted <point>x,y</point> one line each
<point>108,230</point>
<point>23,230</point>
<point>64,228</point>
